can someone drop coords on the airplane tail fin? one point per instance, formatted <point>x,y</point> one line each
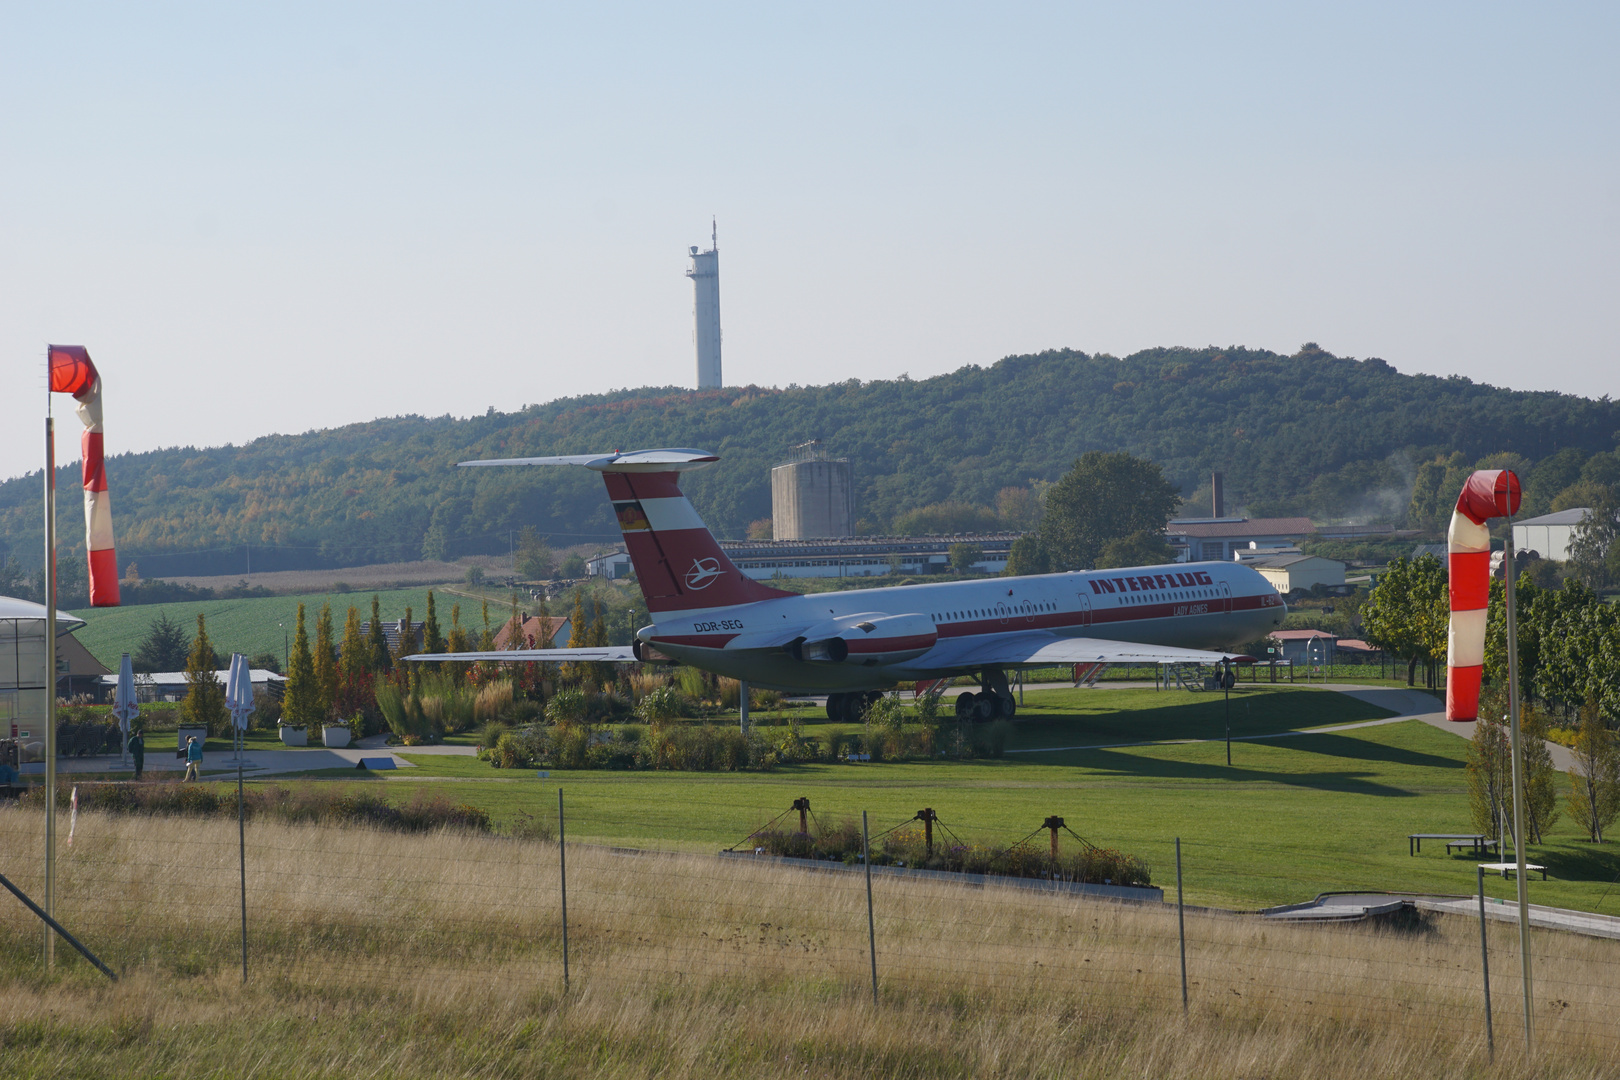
<point>678,563</point>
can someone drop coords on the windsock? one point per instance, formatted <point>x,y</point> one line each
<point>1487,494</point>
<point>73,373</point>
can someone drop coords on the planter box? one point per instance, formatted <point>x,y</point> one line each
<point>294,736</point>
<point>186,732</point>
<point>1130,893</point>
<point>335,736</point>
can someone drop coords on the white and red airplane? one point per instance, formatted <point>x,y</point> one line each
<point>852,645</point>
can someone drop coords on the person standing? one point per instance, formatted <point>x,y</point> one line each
<point>137,750</point>
<point>193,758</point>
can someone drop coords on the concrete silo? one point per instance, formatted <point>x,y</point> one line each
<point>812,495</point>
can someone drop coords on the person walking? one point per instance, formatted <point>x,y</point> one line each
<point>193,758</point>
<point>137,750</point>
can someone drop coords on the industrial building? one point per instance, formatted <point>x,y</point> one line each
<point>812,495</point>
<point>1206,539</point>
<point>705,275</point>
<point>1299,573</point>
<point>1550,534</point>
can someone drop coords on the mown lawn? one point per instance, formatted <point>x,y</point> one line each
<point>1291,817</point>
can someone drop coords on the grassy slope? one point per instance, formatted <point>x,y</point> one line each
<point>251,626</point>
<point>1290,818</point>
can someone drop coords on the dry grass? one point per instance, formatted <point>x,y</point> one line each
<point>378,954</point>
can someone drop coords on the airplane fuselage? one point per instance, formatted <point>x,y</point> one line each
<point>1211,605</point>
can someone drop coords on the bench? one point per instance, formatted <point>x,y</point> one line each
<point>1506,868</point>
<point>1468,842</point>
<point>1414,841</point>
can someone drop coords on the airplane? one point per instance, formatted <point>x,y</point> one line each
<point>856,644</point>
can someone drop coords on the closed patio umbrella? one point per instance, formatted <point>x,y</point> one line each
<point>125,707</point>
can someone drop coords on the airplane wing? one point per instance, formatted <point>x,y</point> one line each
<point>1037,647</point>
<point>606,654</point>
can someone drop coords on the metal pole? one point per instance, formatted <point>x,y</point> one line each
<point>742,704</point>
<point>1228,690</point>
<point>52,924</point>
<point>1518,791</point>
<point>1181,928</point>
<point>1485,965</point>
<point>241,851</point>
<point>871,927</point>
<point>50,674</point>
<point>562,861</point>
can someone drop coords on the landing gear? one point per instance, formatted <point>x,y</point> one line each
<point>851,708</point>
<point>967,705</point>
<point>985,706</point>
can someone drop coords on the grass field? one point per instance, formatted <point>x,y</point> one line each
<point>1292,816</point>
<point>258,625</point>
<point>376,954</point>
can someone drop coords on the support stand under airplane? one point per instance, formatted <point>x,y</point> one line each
<point>855,644</point>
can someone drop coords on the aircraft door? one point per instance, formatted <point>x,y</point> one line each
<point>1085,609</point>
<point>1226,598</point>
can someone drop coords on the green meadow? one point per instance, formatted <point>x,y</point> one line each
<point>1295,814</point>
<point>259,624</point>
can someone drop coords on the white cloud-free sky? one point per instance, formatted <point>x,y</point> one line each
<point>271,218</point>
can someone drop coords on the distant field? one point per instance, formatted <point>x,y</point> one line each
<point>1291,817</point>
<point>256,625</point>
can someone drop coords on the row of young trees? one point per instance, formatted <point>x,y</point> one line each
<point>327,682</point>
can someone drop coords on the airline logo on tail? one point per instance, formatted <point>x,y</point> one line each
<point>702,574</point>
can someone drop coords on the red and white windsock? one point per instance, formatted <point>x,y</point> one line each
<point>73,373</point>
<point>1487,494</point>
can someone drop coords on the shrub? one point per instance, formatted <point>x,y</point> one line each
<point>303,803</point>
<point>490,733</point>
<point>493,701</point>
<point>660,704</point>
<point>566,706</point>
<point>527,826</point>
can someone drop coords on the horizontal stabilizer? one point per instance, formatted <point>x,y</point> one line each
<point>636,461</point>
<point>605,654</point>
<point>1037,647</point>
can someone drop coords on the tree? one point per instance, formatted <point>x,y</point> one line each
<point>475,576</point>
<point>1409,612</point>
<point>534,557</point>
<point>1490,770</point>
<point>1540,776</point>
<point>403,647</point>
<point>354,686</point>
<point>1147,547</point>
<point>572,567</point>
<point>300,702</point>
<point>945,519</point>
<point>454,643</point>
<point>1594,550</point>
<point>326,676</point>
<point>1104,497</point>
<point>1018,508</point>
<point>164,648</point>
<point>1027,557</point>
<point>1594,782</point>
<point>761,529</point>
<point>963,556</point>
<point>377,641</point>
<point>205,701</point>
<point>432,638</point>
<point>267,661</point>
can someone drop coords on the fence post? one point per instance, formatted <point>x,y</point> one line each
<point>1181,928</point>
<point>241,853</point>
<point>562,862</point>
<point>871,927</point>
<point>1485,964</point>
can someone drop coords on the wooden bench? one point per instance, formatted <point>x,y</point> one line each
<point>1414,841</point>
<point>1505,868</point>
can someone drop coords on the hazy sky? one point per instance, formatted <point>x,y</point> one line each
<point>278,217</point>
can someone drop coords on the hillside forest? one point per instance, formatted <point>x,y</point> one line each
<point>1336,438</point>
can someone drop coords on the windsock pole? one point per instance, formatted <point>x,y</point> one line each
<point>1518,788</point>
<point>50,673</point>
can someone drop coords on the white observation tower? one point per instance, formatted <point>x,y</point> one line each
<point>705,275</point>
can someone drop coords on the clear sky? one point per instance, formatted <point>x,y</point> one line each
<point>276,217</point>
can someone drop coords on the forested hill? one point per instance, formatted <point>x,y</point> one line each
<point>1311,433</point>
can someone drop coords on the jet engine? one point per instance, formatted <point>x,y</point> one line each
<point>870,639</point>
